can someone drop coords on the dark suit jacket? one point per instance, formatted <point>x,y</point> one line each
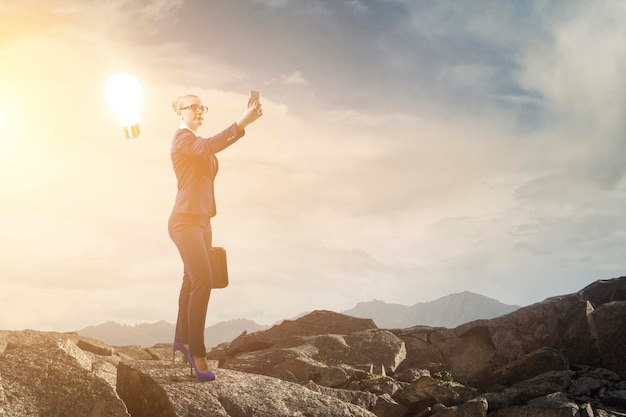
<point>196,166</point>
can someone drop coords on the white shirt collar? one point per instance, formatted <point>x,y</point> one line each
<point>184,126</point>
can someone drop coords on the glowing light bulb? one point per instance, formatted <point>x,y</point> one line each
<point>123,93</point>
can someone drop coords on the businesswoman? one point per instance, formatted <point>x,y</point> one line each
<point>189,226</point>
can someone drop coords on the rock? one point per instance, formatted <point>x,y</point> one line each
<point>604,413</point>
<point>553,405</point>
<point>615,399</point>
<point>602,373</point>
<point>586,386</point>
<point>410,374</point>
<point>539,386</point>
<point>421,344</point>
<point>155,388</point>
<point>318,323</point>
<point>4,403</point>
<point>330,360</point>
<point>50,379</point>
<point>379,385</point>
<point>427,391</point>
<point>363,399</point>
<point>445,412</point>
<point>95,346</point>
<point>106,371</point>
<point>387,407</point>
<point>610,326</point>
<point>586,410</point>
<point>378,347</point>
<point>134,352</point>
<point>605,291</point>
<point>476,407</point>
<point>530,365</point>
<point>287,361</point>
<point>555,381</point>
<point>482,347</point>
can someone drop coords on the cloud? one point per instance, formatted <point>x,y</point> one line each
<point>295,78</point>
<point>578,70</point>
<point>577,73</point>
<point>447,151</point>
<point>274,3</point>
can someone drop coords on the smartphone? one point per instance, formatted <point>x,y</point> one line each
<point>254,94</point>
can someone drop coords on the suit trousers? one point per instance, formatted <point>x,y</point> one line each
<point>192,236</point>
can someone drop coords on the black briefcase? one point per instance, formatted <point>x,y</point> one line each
<point>219,267</point>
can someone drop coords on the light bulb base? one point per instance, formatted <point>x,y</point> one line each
<point>131,132</point>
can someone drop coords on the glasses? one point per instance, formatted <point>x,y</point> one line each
<point>196,107</point>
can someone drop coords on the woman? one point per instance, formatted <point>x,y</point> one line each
<point>189,225</point>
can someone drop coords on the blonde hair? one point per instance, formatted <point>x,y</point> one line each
<point>176,103</point>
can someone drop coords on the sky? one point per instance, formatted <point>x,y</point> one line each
<point>408,150</point>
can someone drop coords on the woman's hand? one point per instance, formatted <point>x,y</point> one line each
<point>252,112</point>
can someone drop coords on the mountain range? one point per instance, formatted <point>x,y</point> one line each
<point>149,334</point>
<point>448,311</point>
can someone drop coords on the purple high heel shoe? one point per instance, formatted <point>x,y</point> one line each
<point>176,346</point>
<point>201,376</point>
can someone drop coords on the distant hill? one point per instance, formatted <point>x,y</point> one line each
<point>149,334</point>
<point>449,311</point>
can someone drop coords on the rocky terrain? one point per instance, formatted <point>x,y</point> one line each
<point>565,356</point>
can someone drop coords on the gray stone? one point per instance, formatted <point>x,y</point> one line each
<point>95,346</point>
<point>553,405</point>
<point>586,410</point>
<point>605,291</point>
<point>387,407</point>
<point>410,374</point>
<point>155,388</point>
<point>4,403</point>
<point>363,399</point>
<point>540,386</point>
<point>317,323</point>
<point>134,352</point>
<point>610,326</point>
<point>330,360</point>
<point>535,363</point>
<point>379,385</point>
<point>50,379</point>
<point>476,407</point>
<point>600,412</point>
<point>615,399</point>
<point>427,391</point>
<point>585,386</point>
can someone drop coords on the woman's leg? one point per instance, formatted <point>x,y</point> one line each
<point>182,322</point>
<point>191,240</point>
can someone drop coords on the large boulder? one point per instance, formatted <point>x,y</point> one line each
<point>535,363</point>
<point>54,377</point>
<point>552,405</point>
<point>155,388</point>
<point>320,322</point>
<point>604,291</point>
<point>610,325</point>
<point>330,360</point>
